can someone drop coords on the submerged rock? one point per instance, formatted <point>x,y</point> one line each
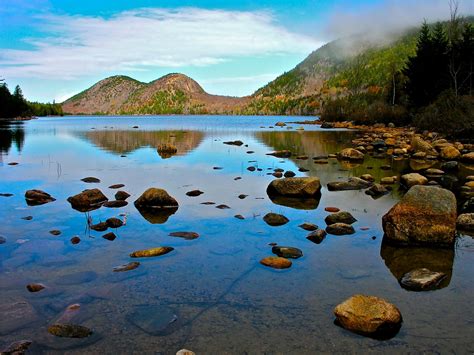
<point>16,313</point>
<point>16,348</point>
<point>156,320</point>
<point>280,154</point>
<point>421,279</point>
<point>99,227</point>
<point>115,204</point>
<point>3,240</point>
<point>38,197</point>
<point>87,200</point>
<point>275,219</point>
<point>340,217</point>
<point>35,287</point>
<point>185,235</point>
<point>116,186</point>
<point>369,315</point>
<point>127,267</point>
<point>340,229</point>
<point>376,191</point>
<point>287,252</point>
<point>158,251</point>
<point>114,222</point>
<point>69,330</point>
<point>353,183</point>
<point>425,215</point>
<point>276,262</point>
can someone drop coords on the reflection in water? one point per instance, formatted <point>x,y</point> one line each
<point>123,141</point>
<point>297,203</point>
<point>157,215</point>
<point>401,260</point>
<point>11,133</point>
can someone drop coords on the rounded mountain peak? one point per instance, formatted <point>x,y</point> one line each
<point>179,82</point>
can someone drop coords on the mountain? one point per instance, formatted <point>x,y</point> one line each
<point>170,94</point>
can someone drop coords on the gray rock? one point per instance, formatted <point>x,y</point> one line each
<point>421,279</point>
<point>353,183</point>
<point>317,236</point>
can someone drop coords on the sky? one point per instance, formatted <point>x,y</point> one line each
<point>56,48</point>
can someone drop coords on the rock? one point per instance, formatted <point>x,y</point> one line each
<point>239,216</point>
<point>6,195</point>
<point>277,174</point>
<point>55,232</point>
<point>87,200</point>
<point>327,125</point>
<point>340,229</point>
<point>155,320</point>
<point>114,222</point>
<point>450,165</point>
<point>99,227</point>
<point>450,153</point>
<point>331,209</point>
<point>37,197</point>
<point>340,217</point>
<point>223,207</point>
<point>369,315</point>
<point>308,226</point>
<point>468,158</point>
<point>280,124</point>
<point>91,180</point>
<point>413,179</point>
<point>388,180</point>
<point>121,195</point>
<point>431,172</point>
<point>27,218</point>
<point>367,177</point>
<point>194,193</point>
<point>155,198</point>
<point>242,196</point>
<point>287,252</point>
<point>16,348</point>
<point>276,262</point>
<point>295,187</point>
<point>251,168</point>
<point>317,236</point>
<point>419,145</point>
<point>376,191</point>
<point>465,222</point>
<point>353,183</point>
<point>151,252</point>
<point>75,240</point>
<point>3,240</point>
<point>281,154</point>
<point>421,279</point>
<point>237,143</point>
<point>217,168</point>
<point>69,330</point>
<point>425,215</point>
<point>274,219</point>
<point>115,204</point>
<point>289,174</point>
<point>185,235</point>
<point>116,186</point>
<point>109,236</point>
<point>35,287</point>
<point>127,267</point>
<point>15,314</point>
<point>166,150</point>
<point>351,154</point>
<point>185,352</point>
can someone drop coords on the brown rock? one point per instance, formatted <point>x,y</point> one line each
<point>276,262</point>
<point>295,187</point>
<point>158,251</point>
<point>37,197</point>
<point>87,200</point>
<point>351,154</point>
<point>413,179</point>
<point>35,287</point>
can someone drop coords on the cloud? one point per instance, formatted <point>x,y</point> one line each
<point>391,16</point>
<point>147,38</point>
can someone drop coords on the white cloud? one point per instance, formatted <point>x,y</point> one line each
<point>148,38</point>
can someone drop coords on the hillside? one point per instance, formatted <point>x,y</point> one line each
<point>171,94</point>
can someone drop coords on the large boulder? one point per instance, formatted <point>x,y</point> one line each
<point>87,200</point>
<point>156,205</point>
<point>425,215</point>
<point>465,222</point>
<point>413,179</point>
<point>450,153</point>
<point>350,154</point>
<point>419,145</point>
<point>353,183</point>
<point>296,192</point>
<point>369,315</point>
<point>38,197</point>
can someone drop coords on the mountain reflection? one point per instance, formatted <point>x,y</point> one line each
<point>126,141</point>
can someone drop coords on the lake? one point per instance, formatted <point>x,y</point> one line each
<point>210,294</point>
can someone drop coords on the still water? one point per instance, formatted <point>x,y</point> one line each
<point>210,294</point>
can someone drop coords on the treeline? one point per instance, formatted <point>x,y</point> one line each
<point>14,105</point>
<point>432,90</point>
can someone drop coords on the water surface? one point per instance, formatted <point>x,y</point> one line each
<point>210,294</point>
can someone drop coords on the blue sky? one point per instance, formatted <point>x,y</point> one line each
<point>56,48</point>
